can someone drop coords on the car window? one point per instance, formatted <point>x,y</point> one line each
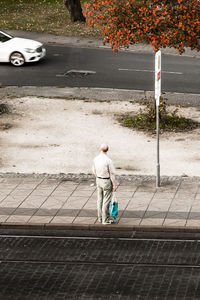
<point>4,38</point>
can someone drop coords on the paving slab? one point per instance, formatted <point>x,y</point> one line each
<point>69,201</point>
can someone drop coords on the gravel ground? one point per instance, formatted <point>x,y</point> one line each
<point>42,135</point>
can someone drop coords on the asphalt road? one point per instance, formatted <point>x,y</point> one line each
<point>98,268</point>
<point>123,71</point>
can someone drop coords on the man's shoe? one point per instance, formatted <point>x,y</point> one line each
<point>108,222</point>
<point>99,220</point>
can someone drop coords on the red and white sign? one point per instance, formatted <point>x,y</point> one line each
<point>158,76</point>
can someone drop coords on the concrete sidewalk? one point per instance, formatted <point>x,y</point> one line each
<point>69,201</point>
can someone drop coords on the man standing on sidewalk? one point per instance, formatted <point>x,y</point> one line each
<point>105,179</point>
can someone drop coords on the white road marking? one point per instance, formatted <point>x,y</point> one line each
<point>149,71</point>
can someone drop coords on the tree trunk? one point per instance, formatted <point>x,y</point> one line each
<point>75,10</point>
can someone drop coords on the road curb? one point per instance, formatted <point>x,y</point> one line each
<point>50,228</point>
<point>98,94</point>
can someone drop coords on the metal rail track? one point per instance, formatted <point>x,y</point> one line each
<point>107,263</point>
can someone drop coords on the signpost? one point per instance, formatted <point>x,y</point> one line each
<point>157,97</point>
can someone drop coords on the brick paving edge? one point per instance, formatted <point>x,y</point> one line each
<point>87,177</point>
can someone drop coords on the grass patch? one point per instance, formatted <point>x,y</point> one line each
<point>96,112</point>
<point>5,126</point>
<point>3,109</point>
<point>169,121</point>
<point>49,16</point>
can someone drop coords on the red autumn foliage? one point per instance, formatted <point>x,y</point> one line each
<point>160,23</point>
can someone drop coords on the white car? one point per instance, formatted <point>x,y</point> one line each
<point>19,51</point>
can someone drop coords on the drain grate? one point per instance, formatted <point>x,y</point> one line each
<point>76,73</point>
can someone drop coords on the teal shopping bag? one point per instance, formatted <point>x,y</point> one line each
<point>114,207</point>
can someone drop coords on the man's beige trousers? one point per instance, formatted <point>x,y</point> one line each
<point>104,194</point>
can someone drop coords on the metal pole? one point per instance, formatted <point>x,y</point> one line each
<point>158,146</point>
<point>157,98</point>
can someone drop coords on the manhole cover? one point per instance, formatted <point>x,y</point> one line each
<point>77,73</point>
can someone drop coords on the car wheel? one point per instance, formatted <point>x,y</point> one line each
<point>17,59</point>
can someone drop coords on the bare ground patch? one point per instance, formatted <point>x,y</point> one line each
<point>63,136</point>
